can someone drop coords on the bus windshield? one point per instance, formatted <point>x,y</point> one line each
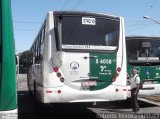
<point>91,33</point>
<point>143,52</point>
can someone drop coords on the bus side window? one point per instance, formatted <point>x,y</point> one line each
<point>36,56</point>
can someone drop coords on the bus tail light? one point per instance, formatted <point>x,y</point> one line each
<point>55,69</point>
<point>58,74</point>
<point>118,69</point>
<point>124,89</point>
<point>113,79</point>
<point>48,91</point>
<point>59,91</point>
<point>115,76</point>
<point>62,79</point>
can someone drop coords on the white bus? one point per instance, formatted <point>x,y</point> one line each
<point>78,57</point>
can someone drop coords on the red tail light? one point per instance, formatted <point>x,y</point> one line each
<point>48,91</point>
<point>59,91</point>
<point>55,69</point>
<point>113,79</point>
<point>118,69</point>
<point>116,75</point>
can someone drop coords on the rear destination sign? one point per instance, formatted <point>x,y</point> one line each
<point>88,21</point>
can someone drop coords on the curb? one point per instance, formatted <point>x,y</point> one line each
<point>149,101</point>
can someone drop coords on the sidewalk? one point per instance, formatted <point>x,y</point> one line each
<point>151,99</point>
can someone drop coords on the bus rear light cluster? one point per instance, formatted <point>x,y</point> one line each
<point>56,69</point>
<point>116,74</point>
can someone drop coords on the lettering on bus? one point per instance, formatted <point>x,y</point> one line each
<point>157,75</point>
<point>103,61</point>
<point>103,67</point>
<point>104,71</point>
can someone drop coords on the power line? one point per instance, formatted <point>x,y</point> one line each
<point>25,22</point>
<point>65,4</point>
<point>139,28</point>
<point>24,29</point>
<point>77,4</point>
<point>135,21</point>
<point>68,2</point>
<point>140,24</point>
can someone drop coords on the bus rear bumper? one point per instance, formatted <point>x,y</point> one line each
<point>66,94</point>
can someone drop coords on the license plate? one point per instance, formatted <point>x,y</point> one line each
<point>89,83</point>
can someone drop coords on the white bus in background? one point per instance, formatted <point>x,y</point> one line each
<point>78,57</point>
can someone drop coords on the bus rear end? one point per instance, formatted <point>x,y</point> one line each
<point>90,63</point>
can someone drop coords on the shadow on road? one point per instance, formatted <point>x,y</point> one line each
<point>28,108</point>
<point>123,104</point>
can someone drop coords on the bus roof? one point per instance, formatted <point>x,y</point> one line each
<point>83,13</point>
<point>143,37</point>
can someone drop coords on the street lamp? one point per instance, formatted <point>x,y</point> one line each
<point>147,17</point>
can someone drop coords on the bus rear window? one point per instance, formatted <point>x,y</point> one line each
<point>89,33</point>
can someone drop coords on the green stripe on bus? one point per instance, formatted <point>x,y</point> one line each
<point>147,72</point>
<point>8,79</point>
<point>102,69</point>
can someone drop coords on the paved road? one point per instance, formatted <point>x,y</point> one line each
<point>30,109</point>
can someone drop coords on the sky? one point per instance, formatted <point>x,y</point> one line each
<point>28,16</point>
